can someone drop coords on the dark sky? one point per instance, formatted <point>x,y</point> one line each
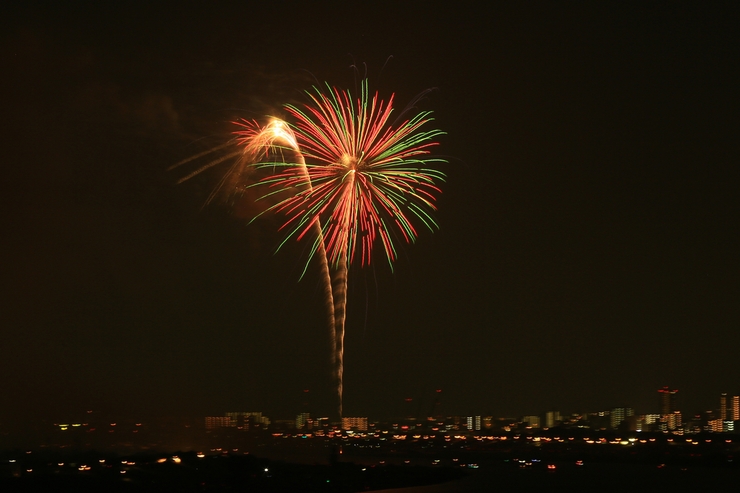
<point>588,250</point>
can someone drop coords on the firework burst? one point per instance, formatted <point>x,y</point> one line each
<point>362,177</point>
<point>342,173</point>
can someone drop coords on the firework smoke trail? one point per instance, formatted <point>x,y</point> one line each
<point>359,178</point>
<point>339,288</point>
<point>258,142</point>
<point>209,165</point>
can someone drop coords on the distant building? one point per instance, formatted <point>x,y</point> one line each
<point>618,415</point>
<point>283,425</point>
<point>667,400</point>
<point>671,422</point>
<point>532,421</point>
<point>244,421</point>
<point>552,418</point>
<point>576,420</point>
<point>723,406</point>
<point>473,423</point>
<point>354,424</point>
<point>600,420</point>
<point>303,421</point>
<point>239,420</point>
<point>736,407</point>
<point>670,416</point>
<point>214,422</point>
<point>652,418</point>
<point>647,422</point>
<point>716,425</point>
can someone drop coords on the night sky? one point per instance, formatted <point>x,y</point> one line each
<point>588,250</point>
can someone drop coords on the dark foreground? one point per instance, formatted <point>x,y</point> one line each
<point>188,472</point>
<point>606,478</point>
<point>410,463</point>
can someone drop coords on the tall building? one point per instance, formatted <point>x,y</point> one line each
<point>667,400</point>
<point>670,416</point>
<point>723,406</point>
<point>736,407</point>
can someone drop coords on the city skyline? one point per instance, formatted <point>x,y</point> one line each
<point>93,428</point>
<point>587,250</point>
<point>723,409</point>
